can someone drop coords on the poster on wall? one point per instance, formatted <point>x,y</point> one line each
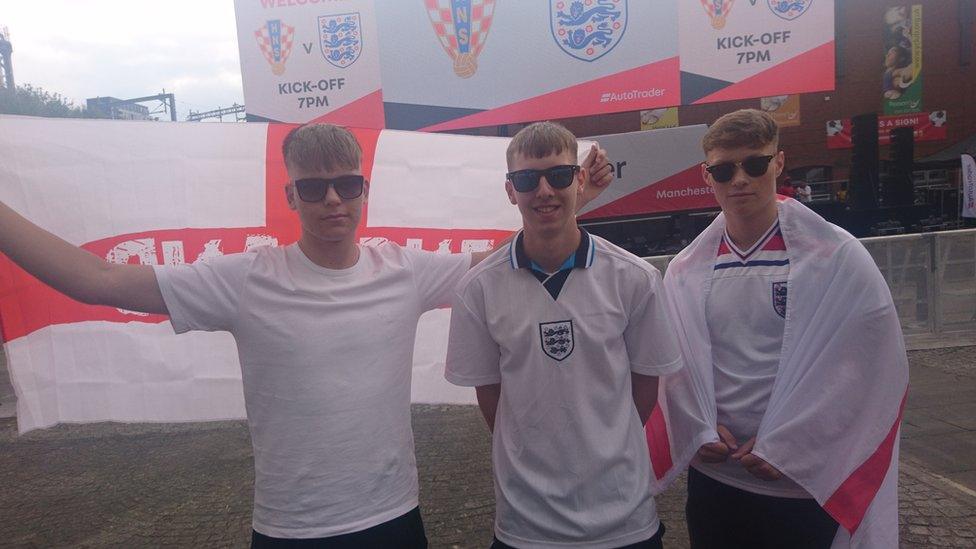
<point>310,61</point>
<point>438,65</point>
<point>901,81</point>
<point>968,186</point>
<point>658,119</point>
<point>739,50</point>
<point>929,126</point>
<point>785,109</point>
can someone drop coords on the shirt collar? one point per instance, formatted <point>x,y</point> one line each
<point>582,257</point>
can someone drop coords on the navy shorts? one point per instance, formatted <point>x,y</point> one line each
<point>403,532</point>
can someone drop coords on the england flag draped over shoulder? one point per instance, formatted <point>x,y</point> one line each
<point>833,417</point>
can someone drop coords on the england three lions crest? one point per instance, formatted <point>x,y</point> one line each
<point>588,29</point>
<point>557,338</point>
<point>789,9</point>
<point>779,298</point>
<point>341,38</point>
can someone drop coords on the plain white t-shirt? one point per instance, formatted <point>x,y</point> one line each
<point>326,357</point>
<point>569,453</point>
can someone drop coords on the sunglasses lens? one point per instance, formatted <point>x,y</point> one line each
<point>756,165</point>
<point>722,172</point>
<point>561,177</point>
<point>311,190</point>
<point>558,177</point>
<point>526,180</point>
<point>349,186</point>
<point>315,189</point>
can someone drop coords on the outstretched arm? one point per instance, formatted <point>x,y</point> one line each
<point>76,272</point>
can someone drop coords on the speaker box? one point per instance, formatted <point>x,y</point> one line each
<point>863,186</point>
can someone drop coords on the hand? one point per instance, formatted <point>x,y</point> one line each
<point>757,466</point>
<point>717,452</point>
<point>596,165</point>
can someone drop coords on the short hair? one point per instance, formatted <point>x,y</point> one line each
<point>539,140</point>
<point>325,147</point>
<point>750,128</point>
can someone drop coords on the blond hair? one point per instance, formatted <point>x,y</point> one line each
<point>540,140</point>
<point>325,147</point>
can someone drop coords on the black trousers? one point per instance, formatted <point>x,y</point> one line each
<point>721,516</point>
<point>653,543</point>
<point>403,532</point>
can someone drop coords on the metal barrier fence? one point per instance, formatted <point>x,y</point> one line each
<point>932,277</point>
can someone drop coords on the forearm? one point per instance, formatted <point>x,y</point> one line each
<point>74,271</point>
<point>644,389</point>
<point>488,396</point>
<point>478,257</point>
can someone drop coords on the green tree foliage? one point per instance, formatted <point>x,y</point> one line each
<point>30,101</point>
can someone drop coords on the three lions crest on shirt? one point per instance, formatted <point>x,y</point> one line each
<point>779,298</point>
<point>557,338</point>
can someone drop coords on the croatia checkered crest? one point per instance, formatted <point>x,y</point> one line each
<point>275,40</point>
<point>462,28</point>
<point>588,29</point>
<point>718,11</point>
<point>341,38</point>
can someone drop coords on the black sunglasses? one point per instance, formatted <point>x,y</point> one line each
<point>314,189</point>
<point>754,166</point>
<point>558,177</point>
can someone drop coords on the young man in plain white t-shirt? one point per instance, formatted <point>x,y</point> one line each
<point>563,336</point>
<point>328,408</point>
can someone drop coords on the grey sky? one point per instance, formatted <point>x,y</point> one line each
<point>127,48</point>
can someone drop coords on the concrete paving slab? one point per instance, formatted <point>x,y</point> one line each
<point>962,415</point>
<point>926,396</point>
<point>943,454</point>
<point>965,478</point>
<point>919,422</point>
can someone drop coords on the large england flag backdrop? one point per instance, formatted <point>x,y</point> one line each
<point>150,193</point>
<point>154,193</point>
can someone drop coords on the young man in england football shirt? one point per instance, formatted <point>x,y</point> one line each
<point>796,366</point>
<point>563,336</point>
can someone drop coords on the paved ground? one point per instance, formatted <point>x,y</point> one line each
<point>190,485</point>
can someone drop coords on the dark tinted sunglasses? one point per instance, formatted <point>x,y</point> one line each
<point>558,177</point>
<point>314,189</point>
<point>754,166</point>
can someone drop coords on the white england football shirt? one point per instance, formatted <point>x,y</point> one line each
<point>746,310</point>
<point>569,453</point>
<point>326,357</point>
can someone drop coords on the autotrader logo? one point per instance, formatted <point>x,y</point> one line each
<point>631,95</point>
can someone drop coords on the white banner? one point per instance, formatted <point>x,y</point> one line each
<point>736,49</point>
<point>310,60</point>
<point>656,171</point>
<point>448,64</point>
<point>968,186</point>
